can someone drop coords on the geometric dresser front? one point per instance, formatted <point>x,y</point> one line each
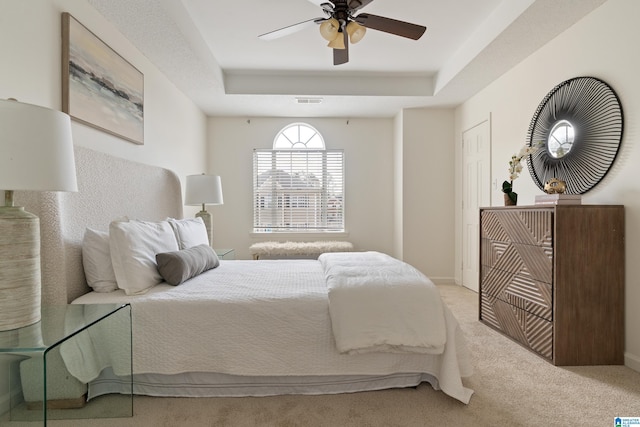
<point>552,279</point>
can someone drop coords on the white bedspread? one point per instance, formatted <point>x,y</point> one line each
<point>378,303</point>
<point>262,318</point>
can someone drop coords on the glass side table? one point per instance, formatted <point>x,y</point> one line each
<point>44,360</point>
<point>225,253</point>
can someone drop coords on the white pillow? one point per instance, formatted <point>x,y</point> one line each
<point>190,232</point>
<point>96,260</point>
<point>134,246</point>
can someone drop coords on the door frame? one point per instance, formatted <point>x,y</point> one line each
<point>463,247</point>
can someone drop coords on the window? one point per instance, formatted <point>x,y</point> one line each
<point>298,186</point>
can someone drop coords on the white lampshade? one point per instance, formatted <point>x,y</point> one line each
<point>36,148</point>
<point>36,154</point>
<point>203,190</point>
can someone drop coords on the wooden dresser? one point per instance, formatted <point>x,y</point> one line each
<point>552,278</point>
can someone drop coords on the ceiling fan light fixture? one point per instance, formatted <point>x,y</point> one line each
<point>329,29</point>
<point>356,31</point>
<point>340,26</point>
<point>338,42</point>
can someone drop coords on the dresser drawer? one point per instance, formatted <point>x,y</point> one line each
<point>523,292</point>
<point>517,258</point>
<point>525,226</point>
<point>527,328</point>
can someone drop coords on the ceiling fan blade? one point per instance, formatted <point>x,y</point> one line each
<point>321,2</point>
<point>392,26</point>
<point>290,29</point>
<point>355,5</point>
<point>341,56</point>
<point>328,7</point>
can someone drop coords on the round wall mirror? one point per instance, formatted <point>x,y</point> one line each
<point>578,129</point>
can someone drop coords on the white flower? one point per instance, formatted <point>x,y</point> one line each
<point>526,150</point>
<point>515,165</point>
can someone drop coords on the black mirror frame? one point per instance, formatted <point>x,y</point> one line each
<point>594,110</point>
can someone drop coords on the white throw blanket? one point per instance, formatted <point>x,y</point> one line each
<point>378,303</point>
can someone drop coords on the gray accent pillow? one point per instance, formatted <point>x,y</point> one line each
<point>176,267</point>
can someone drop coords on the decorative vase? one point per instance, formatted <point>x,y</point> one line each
<point>508,201</point>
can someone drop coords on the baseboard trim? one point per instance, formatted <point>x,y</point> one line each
<point>443,280</point>
<point>71,403</point>
<point>632,361</point>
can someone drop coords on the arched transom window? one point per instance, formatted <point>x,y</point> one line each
<point>298,136</point>
<point>298,186</point>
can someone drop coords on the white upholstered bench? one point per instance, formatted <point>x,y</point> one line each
<point>294,250</point>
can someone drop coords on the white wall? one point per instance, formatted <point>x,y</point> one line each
<point>368,148</point>
<point>427,185</point>
<point>30,70</point>
<point>603,45</point>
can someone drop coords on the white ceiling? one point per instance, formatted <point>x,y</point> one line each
<point>210,50</point>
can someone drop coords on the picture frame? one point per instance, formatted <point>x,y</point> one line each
<point>99,87</point>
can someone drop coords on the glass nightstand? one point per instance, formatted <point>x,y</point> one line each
<point>44,359</point>
<point>225,253</point>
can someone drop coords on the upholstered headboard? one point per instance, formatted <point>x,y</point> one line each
<point>108,188</point>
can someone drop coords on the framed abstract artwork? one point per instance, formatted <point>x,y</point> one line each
<point>99,87</point>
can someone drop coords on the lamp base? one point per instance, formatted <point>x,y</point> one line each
<point>19,268</point>
<point>206,218</point>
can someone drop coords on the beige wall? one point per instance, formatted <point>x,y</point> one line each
<point>427,186</point>
<point>601,45</point>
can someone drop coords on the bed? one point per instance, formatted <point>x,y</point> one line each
<point>243,327</point>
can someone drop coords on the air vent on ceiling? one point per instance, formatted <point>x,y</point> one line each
<point>308,100</point>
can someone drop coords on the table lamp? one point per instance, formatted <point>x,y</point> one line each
<point>36,154</point>
<point>204,190</point>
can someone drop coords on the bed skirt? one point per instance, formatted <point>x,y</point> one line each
<point>202,384</point>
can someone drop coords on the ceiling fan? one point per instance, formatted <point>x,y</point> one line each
<point>341,26</point>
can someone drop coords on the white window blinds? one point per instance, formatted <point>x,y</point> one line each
<point>298,190</point>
